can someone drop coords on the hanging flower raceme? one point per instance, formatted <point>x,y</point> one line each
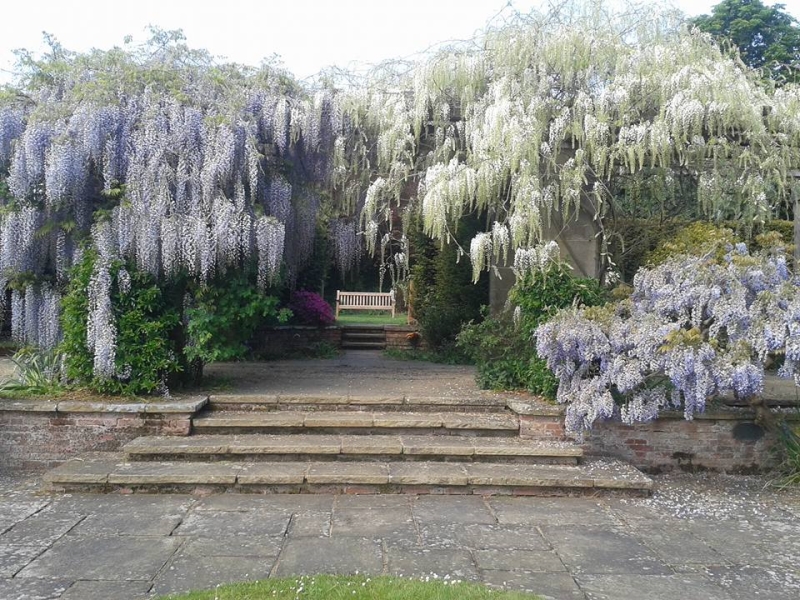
<point>692,329</point>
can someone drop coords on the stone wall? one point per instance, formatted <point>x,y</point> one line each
<point>38,434</point>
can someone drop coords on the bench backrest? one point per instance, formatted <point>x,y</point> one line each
<point>365,301</point>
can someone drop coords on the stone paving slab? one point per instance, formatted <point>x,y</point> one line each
<point>352,473</point>
<point>551,586</point>
<point>107,590</point>
<point>636,587</point>
<point>33,589</point>
<point>595,550</point>
<point>485,536</point>
<point>342,556</point>
<point>103,558</point>
<point>195,571</point>
<point>421,562</point>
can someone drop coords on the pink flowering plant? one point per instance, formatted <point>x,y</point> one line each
<point>694,328</point>
<point>309,308</point>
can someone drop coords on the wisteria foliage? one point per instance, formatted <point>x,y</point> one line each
<point>693,329</point>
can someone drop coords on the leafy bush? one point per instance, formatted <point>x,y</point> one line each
<point>502,345</point>
<point>698,239</point>
<point>38,373</point>
<point>145,353</point>
<point>224,314</point>
<point>309,308</point>
<point>694,328</point>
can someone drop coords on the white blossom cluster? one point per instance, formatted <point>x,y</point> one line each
<point>692,329</point>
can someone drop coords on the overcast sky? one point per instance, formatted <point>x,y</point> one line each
<point>307,34</point>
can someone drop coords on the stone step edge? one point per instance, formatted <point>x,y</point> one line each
<point>597,475</point>
<point>310,445</point>
<point>358,420</point>
<point>334,399</point>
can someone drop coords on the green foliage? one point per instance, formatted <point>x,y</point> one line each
<point>767,37</point>
<point>697,239</point>
<point>502,345</point>
<point>789,468</point>
<point>358,587</point>
<point>443,296</point>
<point>224,316</point>
<point>145,353</point>
<point>38,373</point>
<point>638,242</point>
<point>448,355</point>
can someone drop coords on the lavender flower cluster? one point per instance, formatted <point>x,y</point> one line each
<point>205,179</point>
<point>693,328</point>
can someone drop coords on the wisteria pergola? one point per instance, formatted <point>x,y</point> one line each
<point>162,157</point>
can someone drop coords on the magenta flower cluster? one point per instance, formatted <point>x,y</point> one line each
<point>310,308</point>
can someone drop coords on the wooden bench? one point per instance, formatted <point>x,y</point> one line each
<point>364,301</point>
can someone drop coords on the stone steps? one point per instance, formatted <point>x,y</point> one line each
<point>361,422</point>
<point>363,338</point>
<point>307,447</point>
<point>357,402</point>
<point>110,472</point>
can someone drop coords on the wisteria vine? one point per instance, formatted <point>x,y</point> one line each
<point>692,329</point>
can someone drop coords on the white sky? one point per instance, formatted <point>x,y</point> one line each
<point>307,34</point>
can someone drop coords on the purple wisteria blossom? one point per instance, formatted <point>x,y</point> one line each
<point>692,329</point>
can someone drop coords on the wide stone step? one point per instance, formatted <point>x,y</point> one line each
<point>252,447</point>
<point>367,422</point>
<point>364,335</point>
<point>362,402</point>
<point>112,472</point>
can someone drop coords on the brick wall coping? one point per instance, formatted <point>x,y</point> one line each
<point>540,408</point>
<point>187,405</point>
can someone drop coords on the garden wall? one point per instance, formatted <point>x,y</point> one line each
<point>40,434</point>
<point>726,441</point>
<point>295,339</point>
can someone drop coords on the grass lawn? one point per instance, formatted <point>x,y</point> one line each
<point>362,317</point>
<point>359,587</point>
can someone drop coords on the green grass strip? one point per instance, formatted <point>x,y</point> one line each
<point>358,587</point>
<point>370,318</point>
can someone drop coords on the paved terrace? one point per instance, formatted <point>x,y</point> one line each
<point>717,538</point>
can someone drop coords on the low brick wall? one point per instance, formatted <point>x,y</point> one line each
<point>36,435</point>
<point>279,340</point>
<point>718,441</point>
<point>403,338</point>
<point>722,440</point>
